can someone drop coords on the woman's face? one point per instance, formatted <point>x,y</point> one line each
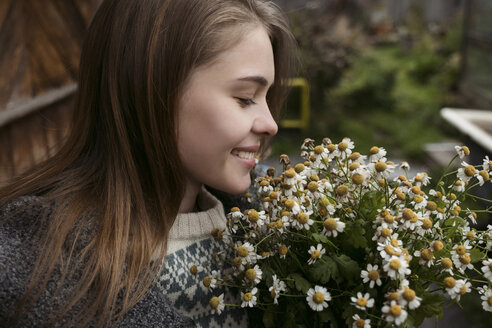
<point>223,115</point>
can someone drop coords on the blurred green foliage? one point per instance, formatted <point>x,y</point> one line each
<point>387,93</point>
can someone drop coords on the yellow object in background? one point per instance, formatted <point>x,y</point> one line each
<point>304,106</point>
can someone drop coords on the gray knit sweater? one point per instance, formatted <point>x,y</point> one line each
<point>19,248</point>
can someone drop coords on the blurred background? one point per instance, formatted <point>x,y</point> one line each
<point>377,71</point>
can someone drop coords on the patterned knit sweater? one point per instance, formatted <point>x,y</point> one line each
<point>19,248</point>
<point>190,243</point>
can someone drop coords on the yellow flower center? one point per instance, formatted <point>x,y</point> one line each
<point>465,259</point>
<point>342,190</point>
<point>253,215</point>
<point>427,254</point>
<point>247,297</point>
<point>449,282</point>
<point>236,262</point>
<point>465,150</point>
<point>357,178</point>
<point>273,293</point>
<point>264,183</point>
<point>470,235</point>
<point>235,209</point>
<point>407,214</point>
<point>463,289</point>
<point>354,166</point>
<point>290,203</point>
<point>393,296</point>
<point>302,218</point>
<point>323,212</point>
<point>451,196</point>
<point>279,224</point>
<point>485,175</point>
<point>299,168</point>
<point>389,219</point>
<point>324,202</point>
<point>250,274</point>
<point>193,269</point>
<point>342,146</point>
<point>214,302</point>
<point>380,166</point>
<point>409,294</point>
<point>242,251</point>
<point>418,199</point>
<point>469,170</point>
<point>414,219</point>
<point>318,298</point>
<point>354,156</point>
<point>490,301</point>
<point>318,150</point>
<point>360,323</point>
<point>431,206</point>
<point>313,186</point>
<point>207,281</point>
<point>315,254</point>
<point>361,301</point>
<point>385,232</point>
<point>426,223</point>
<point>330,224</point>
<point>438,245</point>
<point>273,195</point>
<point>490,266</point>
<point>394,242</point>
<point>446,263</point>
<point>265,254</point>
<point>490,165</point>
<point>395,264</point>
<point>460,250</point>
<point>373,275</point>
<point>290,173</point>
<point>331,148</point>
<point>395,310</point>
<point>389,249</point>
<point>416,190</point>
<point>401,196</point>
<point>374,150</point>
<point>282,250</point>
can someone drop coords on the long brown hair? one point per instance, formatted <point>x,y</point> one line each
<point>119,175</point>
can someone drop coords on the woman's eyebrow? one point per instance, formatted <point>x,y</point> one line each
<point>255,78</point>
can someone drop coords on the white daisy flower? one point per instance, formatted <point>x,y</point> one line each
<point>381,168</point>
<point>318,298</point>
<point>372,275</point>
<point>466,172</point>
<point>404,166</point>
<point>421,179</point>
<point>486,298</point>
<point>332,226</point>
<point>316,253</point>
<point>303,221</point>
<point>451,286</point>
<point>462,151</point>
<point>360,323</point>
<point>394,313</point>
<point>463,287</point>
<point>487,164</point>
<point>386,250</point>
<point>377,154</point>
<point>246,252</point>
<point>408,297</point>
<point>249,298</point>
<point>397,267</point>
<point>487,269</point>
<point>277,287</point>
<point>253,275</point>
<point>362,301</point>
<point>217,304</point>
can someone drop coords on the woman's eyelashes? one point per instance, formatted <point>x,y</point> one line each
<point>245,101</point>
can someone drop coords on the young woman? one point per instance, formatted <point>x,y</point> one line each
<point>173,95</point>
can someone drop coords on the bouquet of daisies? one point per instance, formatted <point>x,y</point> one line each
<point>334,241</point>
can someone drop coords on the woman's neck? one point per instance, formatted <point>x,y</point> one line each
<point>189,201</point>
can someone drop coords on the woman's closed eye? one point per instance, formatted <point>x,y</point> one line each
<point>245,101</point>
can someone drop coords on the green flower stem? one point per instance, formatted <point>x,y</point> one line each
<point>264,238</point>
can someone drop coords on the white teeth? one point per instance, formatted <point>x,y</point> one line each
<point>243,154</point>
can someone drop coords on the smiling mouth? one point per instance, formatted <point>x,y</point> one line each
<point>243,154</point>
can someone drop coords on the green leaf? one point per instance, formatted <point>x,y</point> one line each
<point>322,271</point>
<point>430,306</point>
<point>300,282</point>
<point>355,236</point>
<point>348,268</point>
<point>320,238</point>
<point>476,255</point>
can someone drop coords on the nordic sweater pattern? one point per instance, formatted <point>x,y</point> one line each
<point>190,243</point>
<point>19,248</point>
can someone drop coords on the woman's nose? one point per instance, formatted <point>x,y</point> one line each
<point>264,123</point>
